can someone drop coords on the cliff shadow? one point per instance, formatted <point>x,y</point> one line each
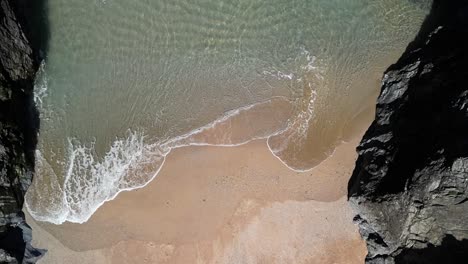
<point>33,17</point>
<point>20,115</point>
<point>421,129</point>
<point>451,251</point>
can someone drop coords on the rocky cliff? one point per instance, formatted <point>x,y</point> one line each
<point>409,187</point>
<point>19,61</point>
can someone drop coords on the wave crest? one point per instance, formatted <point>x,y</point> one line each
<point>131,163</point>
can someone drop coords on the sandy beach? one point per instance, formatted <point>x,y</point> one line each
<point>220,205</point>
<point>223,205</point>
<point>218,110</point>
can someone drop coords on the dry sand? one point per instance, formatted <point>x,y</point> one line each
<point>220,205</point>
<point>226,205</point>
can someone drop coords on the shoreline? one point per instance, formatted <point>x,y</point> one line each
<point>205,136</point>
<point>195,203</point>
<point>199,137</point>
<point>208,202</point>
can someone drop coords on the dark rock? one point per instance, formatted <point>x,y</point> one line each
<point>409,187</point>
<point>19,124</point>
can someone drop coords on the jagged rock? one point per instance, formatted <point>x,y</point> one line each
<point>409,187</point>
<point>19,62</point>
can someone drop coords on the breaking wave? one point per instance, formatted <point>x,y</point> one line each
<point>41,85</point>
<point>132,162</point>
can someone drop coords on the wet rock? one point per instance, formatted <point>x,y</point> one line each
<point>410,184</point>
<point>18,133</point>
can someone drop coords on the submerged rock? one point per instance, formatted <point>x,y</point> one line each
<point>19,62</point>
<point>409,187</point>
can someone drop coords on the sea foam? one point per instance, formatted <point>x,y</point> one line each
<point>132,162</point>
<point>40,85</point>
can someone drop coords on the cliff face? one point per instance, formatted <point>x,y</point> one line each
<point>409,187</point>
<point>19,124</point>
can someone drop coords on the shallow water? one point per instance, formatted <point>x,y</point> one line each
<point>126,81</point>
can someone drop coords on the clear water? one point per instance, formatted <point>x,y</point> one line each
<point>124,82</point>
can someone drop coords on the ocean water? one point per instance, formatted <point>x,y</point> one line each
<point>124,82</point>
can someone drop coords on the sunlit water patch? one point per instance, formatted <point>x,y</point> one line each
<point>125,82</point>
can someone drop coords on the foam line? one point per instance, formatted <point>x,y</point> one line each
<point>131,163</point>
<point>89,183</point>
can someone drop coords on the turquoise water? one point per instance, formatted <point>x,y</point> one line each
<point>124,82</point>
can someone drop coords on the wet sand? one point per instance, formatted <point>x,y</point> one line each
<point>220,205</point>
<point>226,205</point>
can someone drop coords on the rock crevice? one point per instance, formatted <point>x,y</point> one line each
<point>19,125</point>
<point>409,186</point>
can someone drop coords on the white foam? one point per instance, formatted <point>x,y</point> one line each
<point>129,164</point>
<point>279,75</point>
<point>51,194</point>
<point>132,163</point>
<point>40,85</point>
<point>298,127</point>
<point>89,182</point>
<point>189,139</point>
